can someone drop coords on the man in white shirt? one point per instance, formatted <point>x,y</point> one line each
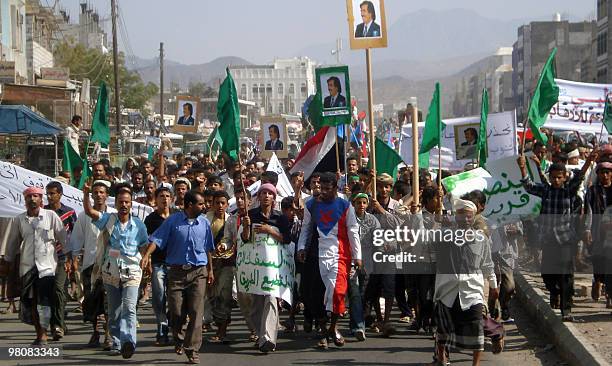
<point>73,132</point>
<point>41,235</point>
<point>462,265</point>
<point>84,242</point>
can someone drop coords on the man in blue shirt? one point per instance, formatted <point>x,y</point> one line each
<point>124,236</point>
<point>187,238</point>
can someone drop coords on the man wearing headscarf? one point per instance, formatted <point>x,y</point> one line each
<point>462,265</point>
<point>41,235</point>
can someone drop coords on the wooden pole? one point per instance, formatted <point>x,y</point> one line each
<point>415,156</point>
<point>371,119</point>
<point>337,152</point>
<point>116,65</point>
<point>161,84</point>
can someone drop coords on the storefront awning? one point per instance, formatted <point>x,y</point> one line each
<point>21,120</point>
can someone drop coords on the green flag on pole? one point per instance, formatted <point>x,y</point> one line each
<point>387,159</point>
<point>228,113</point>
<point>214,140</point>
<point>424,160</point>
<point>607,120</point>
<point>433,124</point>
<point>99,125</point>
<point>71,161</point>
<point>314,112</point>
<point>85,174</point>
<point>545,96</point>
<point>482,135</point>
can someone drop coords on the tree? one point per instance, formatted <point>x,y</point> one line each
<point>93,64</point>
<point>199,89</point>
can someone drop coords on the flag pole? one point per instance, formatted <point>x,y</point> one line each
<point>371,119</point>
<point>439,146</point>
<point>337,152</point>
<point>415,156</point>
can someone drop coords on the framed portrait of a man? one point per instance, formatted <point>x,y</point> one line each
<point>466,141</point>
<point>186,120</point>
<point>273,137</point>
<point>334,88</point>
<point>367,23</point>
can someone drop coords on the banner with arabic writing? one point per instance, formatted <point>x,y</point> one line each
<point>265,267</point>
<point>507,200</point>
<point>580,107</point>
<point>501,140</point>
<point>15,179</point>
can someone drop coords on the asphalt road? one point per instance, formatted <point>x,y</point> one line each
<point>525,346</point>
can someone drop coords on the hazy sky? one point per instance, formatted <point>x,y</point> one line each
<point>197,31</point>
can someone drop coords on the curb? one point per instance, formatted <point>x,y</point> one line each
<point>570,344</point>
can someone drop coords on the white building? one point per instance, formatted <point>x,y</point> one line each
<point>13,63</point>
<point>281,87</point>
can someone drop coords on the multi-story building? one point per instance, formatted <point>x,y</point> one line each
<point>493,73</point>
<point>89,31</point>
<point>600,62</point>
<point>40,24</point>
<point>14,67</point>
<point>533,46</point>
<point>277,88</point>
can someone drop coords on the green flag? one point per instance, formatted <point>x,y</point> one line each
<point>228,113</point>
<point>607,120</point>
<point>214,141</point>
<point>482,135</point>
<point>545,96</point>
<point>433,124</point>
<point>71,161</point>
<point>99,125</point>
<point>85,174</point>
<point>424,160</point>
<point>386,159</point>
<point>314,112</point>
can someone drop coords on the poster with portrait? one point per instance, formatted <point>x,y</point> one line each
<point>466,141</point>
<point>186,114</point>
<point>273,137</point>
<point>367,23</point>
<point>333,86</point>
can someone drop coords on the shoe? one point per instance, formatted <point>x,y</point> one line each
<point>114,352</point>
<point>404,319</point>
<point>498,345</point>
<point>360,335</point>
<point>193,357</point>
<point>178,348</point>
<point>289,325</point>
<point>338,339</point>
<point>40,342</point>
<point>322,343</point>
<point>94,341</point>
<point>571,319</point>
<point>127,350</point>
<point>267,347</point>
<point>58,334</point>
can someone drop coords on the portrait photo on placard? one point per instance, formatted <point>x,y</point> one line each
<point>274,137</point>
<point>367,24</point>
<point>186,118</point>
<point>466,141</point>
<point>333,90</point>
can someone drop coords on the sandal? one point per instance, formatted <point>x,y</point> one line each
<point>193,357</point>
<point>322,343</point>
<point>498,345</point>
<point>253,337</point>
<point>216,339</point>
<point>179,349</point>
<point>40,342</point>
<point>338,339</point>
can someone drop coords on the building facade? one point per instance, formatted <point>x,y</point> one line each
<point>277,88</point>
<point>89,31</point>
<point>14,68</point>
<point>40,23</point>
<point>600,63</point>
<point>533,46</point>
<point>493,73</point>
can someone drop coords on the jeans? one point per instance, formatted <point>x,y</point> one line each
<point>355,291</point>
<point>158,287</point>
<point>122,313</point>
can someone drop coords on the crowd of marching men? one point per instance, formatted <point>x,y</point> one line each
<point>182,256</point>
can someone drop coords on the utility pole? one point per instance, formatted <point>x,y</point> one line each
<point>161,84</point>
<point>116,66</point>
<point>337,50</point>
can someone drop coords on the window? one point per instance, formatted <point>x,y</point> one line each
<point>291,89</point>
<point>291,107</point>
<point>243,91</point>
<point>281,89</point>
<point>602,75</point>
<point>602,9</point>
<point>602,43</point>
<point>255,91</point>
<point>16,25</point>
<point>281,108</point>
<point>304,90</point>
<point>269,90</point>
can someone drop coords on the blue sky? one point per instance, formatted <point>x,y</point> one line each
<point>198,31</point>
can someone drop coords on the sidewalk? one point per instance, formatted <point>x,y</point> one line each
<point>580,343</point>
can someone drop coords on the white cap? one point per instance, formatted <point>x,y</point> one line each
<point>573,154</point>
<point>459,204</point>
